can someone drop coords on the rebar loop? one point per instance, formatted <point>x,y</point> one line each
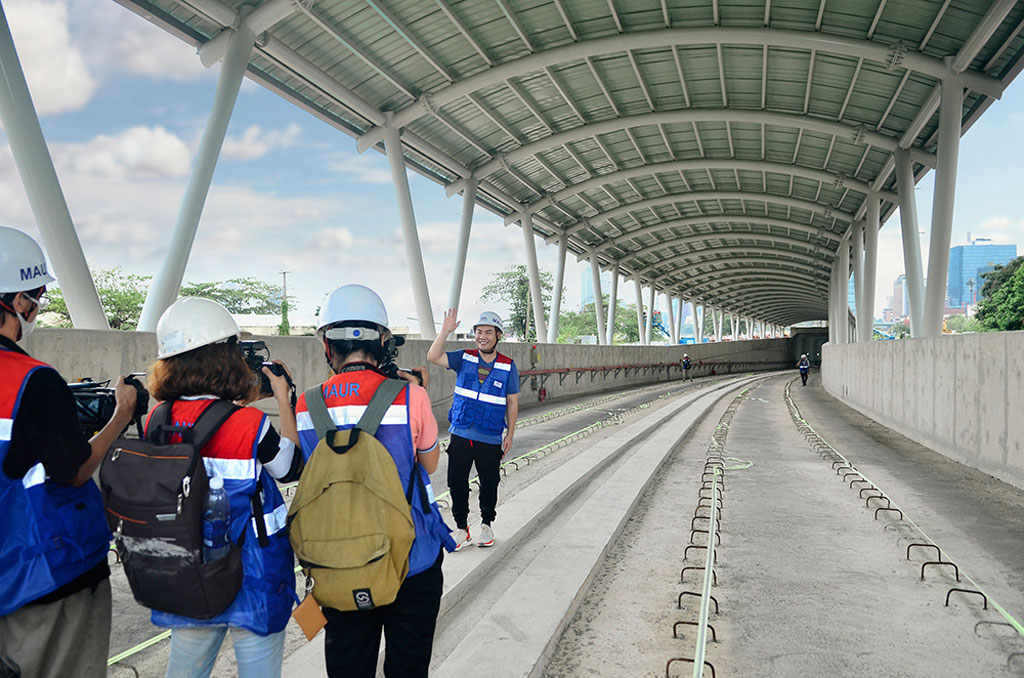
<point>886,508</point>
<point>925,546</point>
<point>679,600</point>
<point>687,659</point>
<point>718,535</point>
<point>984,597</point>
<point>675,627</point>
<point>714,575</point>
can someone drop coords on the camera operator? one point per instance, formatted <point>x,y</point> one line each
<point>54,577</point>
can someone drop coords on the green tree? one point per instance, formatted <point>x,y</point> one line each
<point>998,276</point>
<point>238,295</point>
<point>513,288</point>
<point>285,328</point>
<point>572,324</point>
<point>1002,309</point>
<point>121,294</point>
<point>960,324</point>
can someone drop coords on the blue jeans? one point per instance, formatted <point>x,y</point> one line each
<point>194,650</point>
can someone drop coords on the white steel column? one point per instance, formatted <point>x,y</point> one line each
<point>843,327</point>
<point>462,249</point>
<point>613,301</point>
<point>671,319</point>
<point>413,253</point>
<point>679,318</point>
<point>42,187</point>
<point>649,325</point>
<point>167,282</point>
<point>911,240</point>
<point>720,316</point>
<point>698,322</point>
<point>556,302</point>
<point>534,273</point>
<point>866,319</point>
<point>858,267</point>
<point>733,325</point>
<point>832,301</point>
<point>639,308</point>
<point>595,277</point>
<point>168,279</point>
<point>947,154</point>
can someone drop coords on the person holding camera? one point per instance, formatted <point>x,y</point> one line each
<point>483,419</point>
<point>199,362</point>
<point>55,603</point>
<point>353,327</point>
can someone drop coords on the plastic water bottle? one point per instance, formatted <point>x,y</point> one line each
<point>216,514</point>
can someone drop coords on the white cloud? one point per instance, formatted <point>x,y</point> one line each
<point>255,143</point>
<point>369,167</point>
<point>331,240</point>
<point>137,152</point>
<point>54,67</point>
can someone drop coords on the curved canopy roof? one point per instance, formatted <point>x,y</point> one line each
<point>719,149</point>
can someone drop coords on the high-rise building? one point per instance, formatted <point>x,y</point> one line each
<point>967,263</point>
<point>587,285</point>
<point>900,299</point>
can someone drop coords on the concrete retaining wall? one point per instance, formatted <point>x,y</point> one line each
<point>962,395</point>
<point>103,354</point>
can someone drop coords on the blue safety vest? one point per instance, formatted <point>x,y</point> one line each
<point>346,396</point>
<point>50,533</point>
<point>476,404</point>
<point>264,603</point>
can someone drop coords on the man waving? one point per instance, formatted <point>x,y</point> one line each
<point>483,419</point>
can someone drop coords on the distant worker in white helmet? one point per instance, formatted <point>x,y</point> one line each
<point>805,367</point>
<point>686,367</point>
<point>483,419</point>
<point>55,602</point>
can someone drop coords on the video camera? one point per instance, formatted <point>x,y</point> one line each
<point>389,367</point>
<point>257,356</point>
<point>95,403</point>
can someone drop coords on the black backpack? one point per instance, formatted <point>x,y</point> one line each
<point>153,492</point>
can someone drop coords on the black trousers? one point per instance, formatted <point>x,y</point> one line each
<point>462,455</point>
<point>352,640</point>
<point>803,377</point>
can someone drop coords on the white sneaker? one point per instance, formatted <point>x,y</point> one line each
<point>486,536</point>
<point>462,538</point>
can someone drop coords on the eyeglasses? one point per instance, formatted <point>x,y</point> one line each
<point>42,301</point>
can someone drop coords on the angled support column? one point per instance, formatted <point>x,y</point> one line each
<point>843,327</point>
<point>698,319</point>
<point>413,253</point>
<point>462,248</point>
<point>858,266</point>
<point>595,277</point>
<point>42,187</point>
<point>556,303</point>
<point>679,318</point>
<point>639,308</point>
<point>866,309</point>
<point>832,284</point>
<point>947,155</point>
<point>671,319</point>
<point>534,272</point>
<point>720,328</point>
<point>651,299</point>
<point>733,326</point>
<point>911,241</point>
<point>613,300</point>
<point>167,282</point>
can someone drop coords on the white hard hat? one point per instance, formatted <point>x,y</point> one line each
<point>352,302</point>
<point>490,318</point>
<point>22,265</point>
<point>190,323</point>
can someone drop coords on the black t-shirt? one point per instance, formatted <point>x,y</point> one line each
<point>45,429</point>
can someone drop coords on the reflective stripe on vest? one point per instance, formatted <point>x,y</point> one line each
<point>485,397</point>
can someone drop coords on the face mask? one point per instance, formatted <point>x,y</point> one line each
<point>26,326</point>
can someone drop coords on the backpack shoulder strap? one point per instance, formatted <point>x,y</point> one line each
<point>382,399</point>
<point>158,420</point>
<point>210,420</point>
<point>322,421</point>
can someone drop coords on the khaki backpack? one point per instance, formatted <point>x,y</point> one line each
<point>350,523</point>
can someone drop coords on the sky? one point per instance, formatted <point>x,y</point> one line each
<point>123,105</point>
